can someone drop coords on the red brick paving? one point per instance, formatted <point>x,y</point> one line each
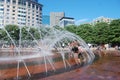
<point>104,69</point>
<point>101,70</point>
<point>11,73</point>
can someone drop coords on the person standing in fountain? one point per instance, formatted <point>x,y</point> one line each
<point>78,56</point>
<point>76,53</point>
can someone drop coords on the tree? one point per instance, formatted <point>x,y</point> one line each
<point>3,34</point>
<point>101,33</point>
<point>13,31</point>
<point>71,28</point>
<point>114,32</point>
<point>85,31</point>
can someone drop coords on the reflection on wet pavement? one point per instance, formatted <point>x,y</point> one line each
<point>106,68</point>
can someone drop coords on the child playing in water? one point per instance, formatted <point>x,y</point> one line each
<point>77,55</point>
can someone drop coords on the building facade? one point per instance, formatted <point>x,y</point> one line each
<point>55,18</point>
<point>20,12</point>
<point>102,19</point>
<point>35,0</point>
<point>65,21</point>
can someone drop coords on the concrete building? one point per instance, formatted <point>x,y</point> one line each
<point>35,0</point>
<point>20,12</point>
<point>65,21</point>
<point>55,18</point>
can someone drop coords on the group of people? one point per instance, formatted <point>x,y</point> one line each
<point>78,52</point>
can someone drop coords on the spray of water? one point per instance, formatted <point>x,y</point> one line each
<point>51,39</point>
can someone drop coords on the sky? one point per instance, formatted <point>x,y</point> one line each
<point>83,10</point>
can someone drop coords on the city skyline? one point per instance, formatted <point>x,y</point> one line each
<point>83,10</point>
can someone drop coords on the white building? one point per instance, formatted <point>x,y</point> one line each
<point>65,21</point>
<point>55,18</point>
<point>102,19</point>
<point>20,12</point>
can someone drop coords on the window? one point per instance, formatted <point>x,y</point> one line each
<point>1,9</point>
<point>8,1</point>
<point>13,10</point>
<point>13,17</point>
<point>8,6</point>
<point>40,8</point>
<point>22,2</point>
<point>28,16</point>
<point>29,5</point>
<point>36,7</point>
<point>33,6</point>
<point>1,5</point>
<point>1,0</point>
<point>14,7</point>
<point>8,10</point>
<point>14,1</point>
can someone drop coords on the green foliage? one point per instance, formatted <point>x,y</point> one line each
<point>114,32</point>
<point>13,30</point>
<point>71,28</point>
<point>100,33</point>
<point>85,31</point>
<point>3,34</point>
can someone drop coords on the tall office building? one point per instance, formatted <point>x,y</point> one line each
<point>55,18</point>
<point>20,12</point>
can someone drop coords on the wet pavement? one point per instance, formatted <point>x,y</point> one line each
<point>106,68</point>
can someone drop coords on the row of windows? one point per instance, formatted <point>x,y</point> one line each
<point>21,23</point>
<point>22,12</point>
<point>19,15</point>
<point>1,0</point>
<point>23,2</point>
<point>1,9</point>
<point>21,8</point>
<point>21,19</point>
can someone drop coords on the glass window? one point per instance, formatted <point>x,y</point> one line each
<point>14,7</point>
<point>22,2</point>
<point>8,1</point>
<point>14,1</point>
<point>1,9</point>
<point>8,10</point>
<point>8,6</point>
<point>33,6</point>
<point>1,0</point>
<point>13,10</point>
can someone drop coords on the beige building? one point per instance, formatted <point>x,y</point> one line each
<point>20,12</point>
<point>102,19</point>
<point>55,18</point>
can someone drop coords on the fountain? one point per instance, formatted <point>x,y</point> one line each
<point>51,52</point>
